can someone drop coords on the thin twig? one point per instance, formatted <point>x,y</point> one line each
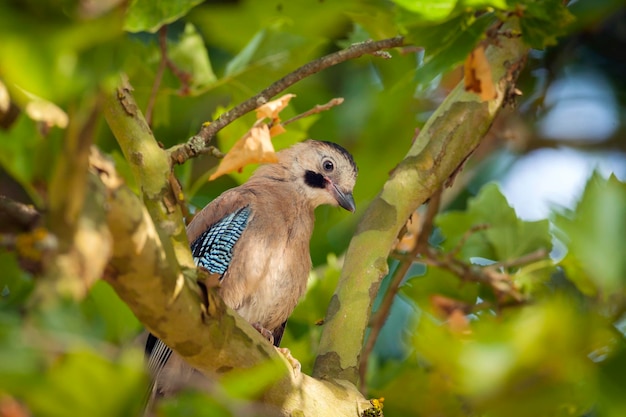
<point>466,272</point>
<point>380,317</point>
<point>500,282</point>
<point>159,74</point>
<point>472,230</point>
<point>183,76</point>
<point>501,305</point>
<point>177,190</point>
<point>317,109</point>
<point>523,260</point>
<point>180,153</point>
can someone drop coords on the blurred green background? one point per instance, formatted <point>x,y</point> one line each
<point>549,175</point>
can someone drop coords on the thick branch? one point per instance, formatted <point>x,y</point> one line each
<point>162,298</point>
<point>215,339</point>
<point>445,142</point>
<point>194,146</point>
<point>148,272</point>
<point>76,222</point>
<point>151,167</point>
<point>380,317</point>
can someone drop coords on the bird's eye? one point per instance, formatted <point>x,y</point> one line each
<point>328,165</point>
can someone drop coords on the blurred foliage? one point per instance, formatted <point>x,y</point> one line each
<point>546,355</point>
<point>558,351</point>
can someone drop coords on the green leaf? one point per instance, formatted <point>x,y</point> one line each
<point>78,55</point>
<point>375,17</point>
<point>19,149</point>
<point>447,44</point>
<point>192,403</point>
<point>18,363</point>
<point>190,54</point>
<point>576,274</point>
<point>440,282</point>
<point>249,383</point>
<point>15,284</point>
<point>246,56</point>
<point>429,10</point>
<point>484,4</point>
<point>594,236</point>
<point>506,237</point>
<point>150,15</point>
<point>272,48</point>
<point>502,361</point>
<point>104,306</point>
<point>84,383</point>
<point>611,402</point>
<point>414,390</point>
<point>543,22</point>
<point>232,25</point>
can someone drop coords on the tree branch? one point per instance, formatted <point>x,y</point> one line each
<point>444,143</point>
<point>165,62</point>
<point>148,271</point>
<point>315,110</point>
<point>380,317</point>
<point>75,221</point>
<point>180,153</point>
<point>158,77</point>
<point>206,333</point>
<point>151,167</point>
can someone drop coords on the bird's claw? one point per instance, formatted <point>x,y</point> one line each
<point>264,332</point>
<point>295,364</point>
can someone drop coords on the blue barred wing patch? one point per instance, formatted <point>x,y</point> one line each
<point>213,249</point>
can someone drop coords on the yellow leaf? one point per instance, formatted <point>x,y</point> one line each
<point>272,108</point>
<point>5,100</point>
<point>254,147</point>
<point>277,129</point>
<point>46,112</point>
<point>478,75</point>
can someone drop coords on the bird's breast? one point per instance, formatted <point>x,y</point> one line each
<point>270,268</point>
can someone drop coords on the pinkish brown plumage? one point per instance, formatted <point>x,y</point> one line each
<point>256,236</point>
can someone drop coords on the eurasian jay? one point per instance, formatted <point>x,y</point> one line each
<point>256,237</point>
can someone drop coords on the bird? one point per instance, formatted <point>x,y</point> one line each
<point>256,238</point>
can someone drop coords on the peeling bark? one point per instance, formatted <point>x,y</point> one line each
<point>446,141</point>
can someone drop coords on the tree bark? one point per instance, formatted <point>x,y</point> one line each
<point>443,145</point>
<point>152,269</point>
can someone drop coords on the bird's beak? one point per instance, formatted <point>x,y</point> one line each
<point>345,200</point>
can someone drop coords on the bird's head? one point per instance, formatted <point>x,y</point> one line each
<point>325,172</point>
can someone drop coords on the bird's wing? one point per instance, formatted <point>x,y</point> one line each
<point>212,249</point>
<point>219,209</point>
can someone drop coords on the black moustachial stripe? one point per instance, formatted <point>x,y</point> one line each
<point>314,179</point>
